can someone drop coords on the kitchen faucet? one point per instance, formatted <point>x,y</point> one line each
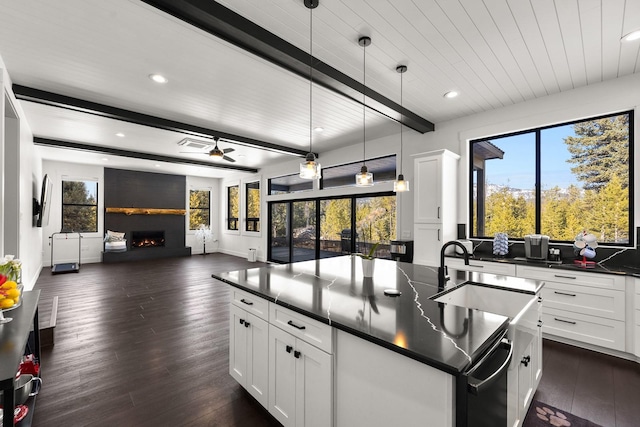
<point>443,273</point>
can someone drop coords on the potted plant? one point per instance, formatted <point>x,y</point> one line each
<point>368,261</point>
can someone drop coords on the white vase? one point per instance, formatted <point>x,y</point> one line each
<point>368,267</point>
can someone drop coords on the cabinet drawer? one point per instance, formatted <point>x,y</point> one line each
<point>303,327</point>
<point>605,281</point>
<point>251,303</point>
<point>502,268</point>
<point>583,299</point>
<point>588,329</point>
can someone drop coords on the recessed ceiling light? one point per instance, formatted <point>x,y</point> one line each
<point>104,159</point>
<point>157,165</point>
<point>158,78</point>
<point>632,36</point>
<point>451,94</point>
<point>318,129</point>
<point>120,134</point>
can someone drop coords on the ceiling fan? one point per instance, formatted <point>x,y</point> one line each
<point>215,152</point>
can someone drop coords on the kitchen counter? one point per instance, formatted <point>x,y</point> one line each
<point>333,291</point>
<point>599,267</point>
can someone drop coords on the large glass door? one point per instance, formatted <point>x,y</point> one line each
<point>335,227</point>
<point>279,246</point>
<point>375,223</point>
<point>304,230</point>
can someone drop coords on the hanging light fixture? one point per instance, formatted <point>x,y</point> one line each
<point>364,178</point>
<point>310,168</point>
<point>400,184</point>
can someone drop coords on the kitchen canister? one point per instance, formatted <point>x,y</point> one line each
<point>500,244</point>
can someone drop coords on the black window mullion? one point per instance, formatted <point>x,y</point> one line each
<point>538,184</point>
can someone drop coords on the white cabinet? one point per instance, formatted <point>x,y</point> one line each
<point>300,374</point>
<point>249,352</point>
<point>434,200</point>
<point>637,315</point>
<point>502,268</point>
<point>581,306</point>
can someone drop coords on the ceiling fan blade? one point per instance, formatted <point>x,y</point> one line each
<point>229,150</point>
<point>229,159</point>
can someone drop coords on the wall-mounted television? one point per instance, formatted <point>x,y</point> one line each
<point>44,207</point>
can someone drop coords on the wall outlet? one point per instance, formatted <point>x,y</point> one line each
<point>406,234</point>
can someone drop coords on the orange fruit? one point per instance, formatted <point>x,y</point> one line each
<point>13,293</point>
<point>9,284</point>
<point>6,303</point>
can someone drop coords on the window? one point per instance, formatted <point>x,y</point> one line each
<point>199,209</point>
<point>289,184</point>
<point>382,168</point>
<point>253,206</point>
<point>233,207</point>
<point>346,224</point>
<point>558,180</point>
<point>80,206</point>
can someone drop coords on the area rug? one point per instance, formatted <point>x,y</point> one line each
<point>543,415</point>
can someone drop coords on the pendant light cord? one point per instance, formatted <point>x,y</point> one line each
<point>310,78</point>
<point>401,114</point>
<point>364,106</point>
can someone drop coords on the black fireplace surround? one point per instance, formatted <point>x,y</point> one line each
<point>147,190</point>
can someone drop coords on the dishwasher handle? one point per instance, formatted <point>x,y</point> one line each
<point>474,385</point>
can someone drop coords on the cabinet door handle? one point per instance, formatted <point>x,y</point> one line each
<point>564,321</point>
<point>244,301</point>
<point>540,323</point>
<point>289,348</point>
<point>476,266</point>
<point>438,212</point>
<point>526,360</point>
<point>438,234</point>
<point>241,321</point>
<point>565,277</point>
<point>296,354</point>
<point>290,323</point>
<point>247,324</point>
<point>564,293</point>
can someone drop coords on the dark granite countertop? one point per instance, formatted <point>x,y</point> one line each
<point>566,264</point>
<point>333,291</point>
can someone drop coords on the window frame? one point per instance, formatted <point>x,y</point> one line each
<point>96,205</point>
<point>537,131</point>
<point>208,190</point>
<point>228,216</point>
<point>247,218</point>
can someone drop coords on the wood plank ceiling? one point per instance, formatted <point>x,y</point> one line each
<point>495,53</point>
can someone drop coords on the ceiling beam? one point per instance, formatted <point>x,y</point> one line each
<point>226,24</point>
<point>56,100</point>
<point>135,154</point>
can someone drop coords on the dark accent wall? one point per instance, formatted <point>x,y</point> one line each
<point>134,189</point>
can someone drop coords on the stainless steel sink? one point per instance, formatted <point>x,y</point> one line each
<point>521,308</point>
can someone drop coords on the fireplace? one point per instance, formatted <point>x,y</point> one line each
<point>147,239</point>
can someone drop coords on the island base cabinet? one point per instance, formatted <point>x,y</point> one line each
<point>376,387</point>
<point>249,352</point>
<point>300,386</point>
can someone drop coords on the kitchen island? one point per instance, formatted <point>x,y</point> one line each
<point>318,344</point>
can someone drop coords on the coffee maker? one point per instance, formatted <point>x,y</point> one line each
<point>536,247</point>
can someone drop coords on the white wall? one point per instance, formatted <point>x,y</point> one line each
<point>213,185</point>
<point>66,248</point>
<point>28,175</point>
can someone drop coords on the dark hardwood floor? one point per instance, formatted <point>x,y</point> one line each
<point>146,344</point>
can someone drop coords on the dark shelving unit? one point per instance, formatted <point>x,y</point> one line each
<point>14,336</point>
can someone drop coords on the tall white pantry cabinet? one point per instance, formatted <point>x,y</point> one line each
<point>435,176</point>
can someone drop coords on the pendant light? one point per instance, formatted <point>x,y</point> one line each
<point>364,178</point>
<point>400,184</point>
<point>310,168</point>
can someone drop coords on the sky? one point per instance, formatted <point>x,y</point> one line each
<point>517,168</point>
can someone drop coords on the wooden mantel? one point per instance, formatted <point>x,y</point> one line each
<point>147,211</point>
